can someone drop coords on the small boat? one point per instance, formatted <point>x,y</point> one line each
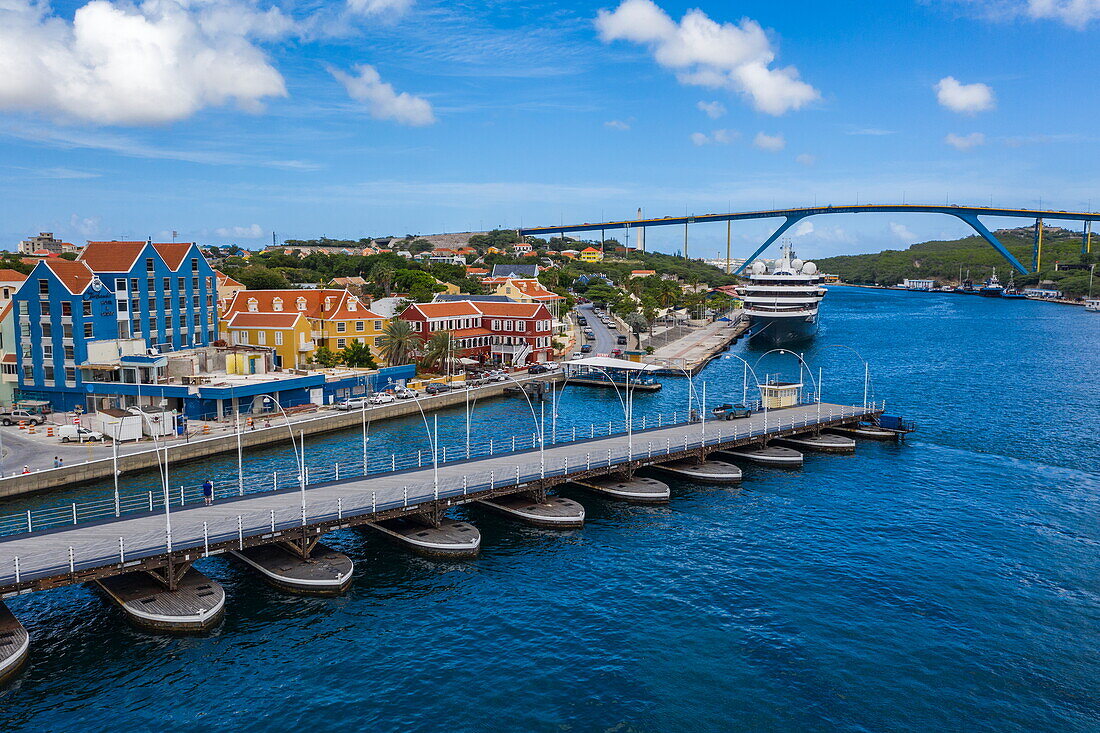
<point>1012,292</point>
<point>992,287</point>
<point>1092,306</point>
<point>966,285</point>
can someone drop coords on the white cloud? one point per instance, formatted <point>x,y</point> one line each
<point>87,227</point>
<point>771,143</point>
<point>713,110</point>
<point>150,63</point>
<point>617,125</point>
<point>705,53</point>
<point>965,142</point>
<point>384,8</point>
<point>902,232</point>
<point>803,228</point>
<point>249,232</point>
<point>1076,13</point>
<point>721,137</point>
<point>964,98</point>
<point>382,101</point>
<point>806,159</point>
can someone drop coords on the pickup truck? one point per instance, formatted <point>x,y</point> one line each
<point>17,416</point>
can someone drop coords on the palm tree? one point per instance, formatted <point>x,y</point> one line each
<point>437,350</point>
<point>398,342</point>
<point>384,277</point>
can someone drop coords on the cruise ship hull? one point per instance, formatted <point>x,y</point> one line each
<point>778,331</point>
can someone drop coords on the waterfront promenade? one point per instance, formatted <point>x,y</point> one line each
<point>54,557</point>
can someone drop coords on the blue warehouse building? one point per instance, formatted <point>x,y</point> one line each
<point>163,295</point>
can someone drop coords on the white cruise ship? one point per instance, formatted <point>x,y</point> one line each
<point>782,298</point>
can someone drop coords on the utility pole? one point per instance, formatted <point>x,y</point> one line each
<point>729,223</point>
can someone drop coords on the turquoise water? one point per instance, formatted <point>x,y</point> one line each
<point>949,583</point>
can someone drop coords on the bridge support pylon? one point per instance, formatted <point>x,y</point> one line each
<point>987,235</point>
<point>787,224</point>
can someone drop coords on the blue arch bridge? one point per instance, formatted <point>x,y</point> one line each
<point>790,217</point>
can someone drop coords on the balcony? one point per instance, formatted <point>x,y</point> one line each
<point>307,345</point>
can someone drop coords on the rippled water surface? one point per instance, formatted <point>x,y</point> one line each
<point>949,583</point>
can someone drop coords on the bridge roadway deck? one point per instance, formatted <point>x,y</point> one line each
<point>82,552</point>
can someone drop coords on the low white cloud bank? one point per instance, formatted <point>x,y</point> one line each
<point>702,52</point>
<point>1076,13</point>
<point>383,102</point>
<point>617,125</point>
<point>964,142</point>
<point>249,232</point>
<point>902,232</point>
<point>805,159</point>
<point>137,64</point>
<point>964,98</point>
<point>771,143</point>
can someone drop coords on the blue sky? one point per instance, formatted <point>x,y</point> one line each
<point>226,120</point>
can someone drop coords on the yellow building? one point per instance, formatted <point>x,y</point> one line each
<point>290,335</point>
<point>591,254</point>
<point>336,318</point>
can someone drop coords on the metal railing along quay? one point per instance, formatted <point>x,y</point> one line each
<point>60,545</point>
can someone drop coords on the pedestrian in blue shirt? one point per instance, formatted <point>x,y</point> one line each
<point>208,492</point>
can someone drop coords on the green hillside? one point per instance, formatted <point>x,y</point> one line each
<point>941,261</point>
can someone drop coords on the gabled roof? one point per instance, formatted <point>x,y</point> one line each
<point>11,276</point>
<point>454,309</point>
<point>532,288</point>
<point>73,275</point>
<point>263,320</point>
<point>590,249</point>
<point>513,310</point>
<point>111,256</point>
<point>173,253</point>
<point>226,281</point>
<point>314,303</point>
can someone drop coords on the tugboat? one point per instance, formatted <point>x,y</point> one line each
<point>966,285</point>
<point>1012,292</point>
<point>992,287</point>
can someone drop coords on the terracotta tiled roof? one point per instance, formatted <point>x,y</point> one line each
<point>263,320</point>
<point>9,358</point>
<point>314,303</point>
<point>532,288</point>
<point>111,256</point>
<point>589,249</point>
<point>11,276</point>
<point>173,253</point>
<point>451,309</point>
<point>514,310</point>
<point>226,281</point>
<point>465,333</point>
<point>73,275</point>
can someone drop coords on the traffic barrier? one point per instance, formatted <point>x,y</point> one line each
<point>31,429</point>
<point>49,431</point>
<point>206,430</point>
<point>22,424</point>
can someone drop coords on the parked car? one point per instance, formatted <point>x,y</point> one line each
<point>404,393</point>
<point>538,369</point>
<point>78,434</point>
<point>586,348</point>
<point>616,352</point>
<point>437,388</point>
<point>381,398</point>
<point>577,355</point>
<point>496,376</point>
<point>621,339</point>
<point>354,403</point>
<point>582,321</point>
<point>16,416</point>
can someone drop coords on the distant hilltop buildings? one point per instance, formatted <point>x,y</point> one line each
<point>46,244</point>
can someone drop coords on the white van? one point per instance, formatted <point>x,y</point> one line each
<point>77,434</point>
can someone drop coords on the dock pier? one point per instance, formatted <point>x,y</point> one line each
<point>149,574</point>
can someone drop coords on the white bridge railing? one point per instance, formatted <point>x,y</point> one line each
<point>192,536</point>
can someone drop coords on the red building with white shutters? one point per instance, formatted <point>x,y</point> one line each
<point>512,334</point>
